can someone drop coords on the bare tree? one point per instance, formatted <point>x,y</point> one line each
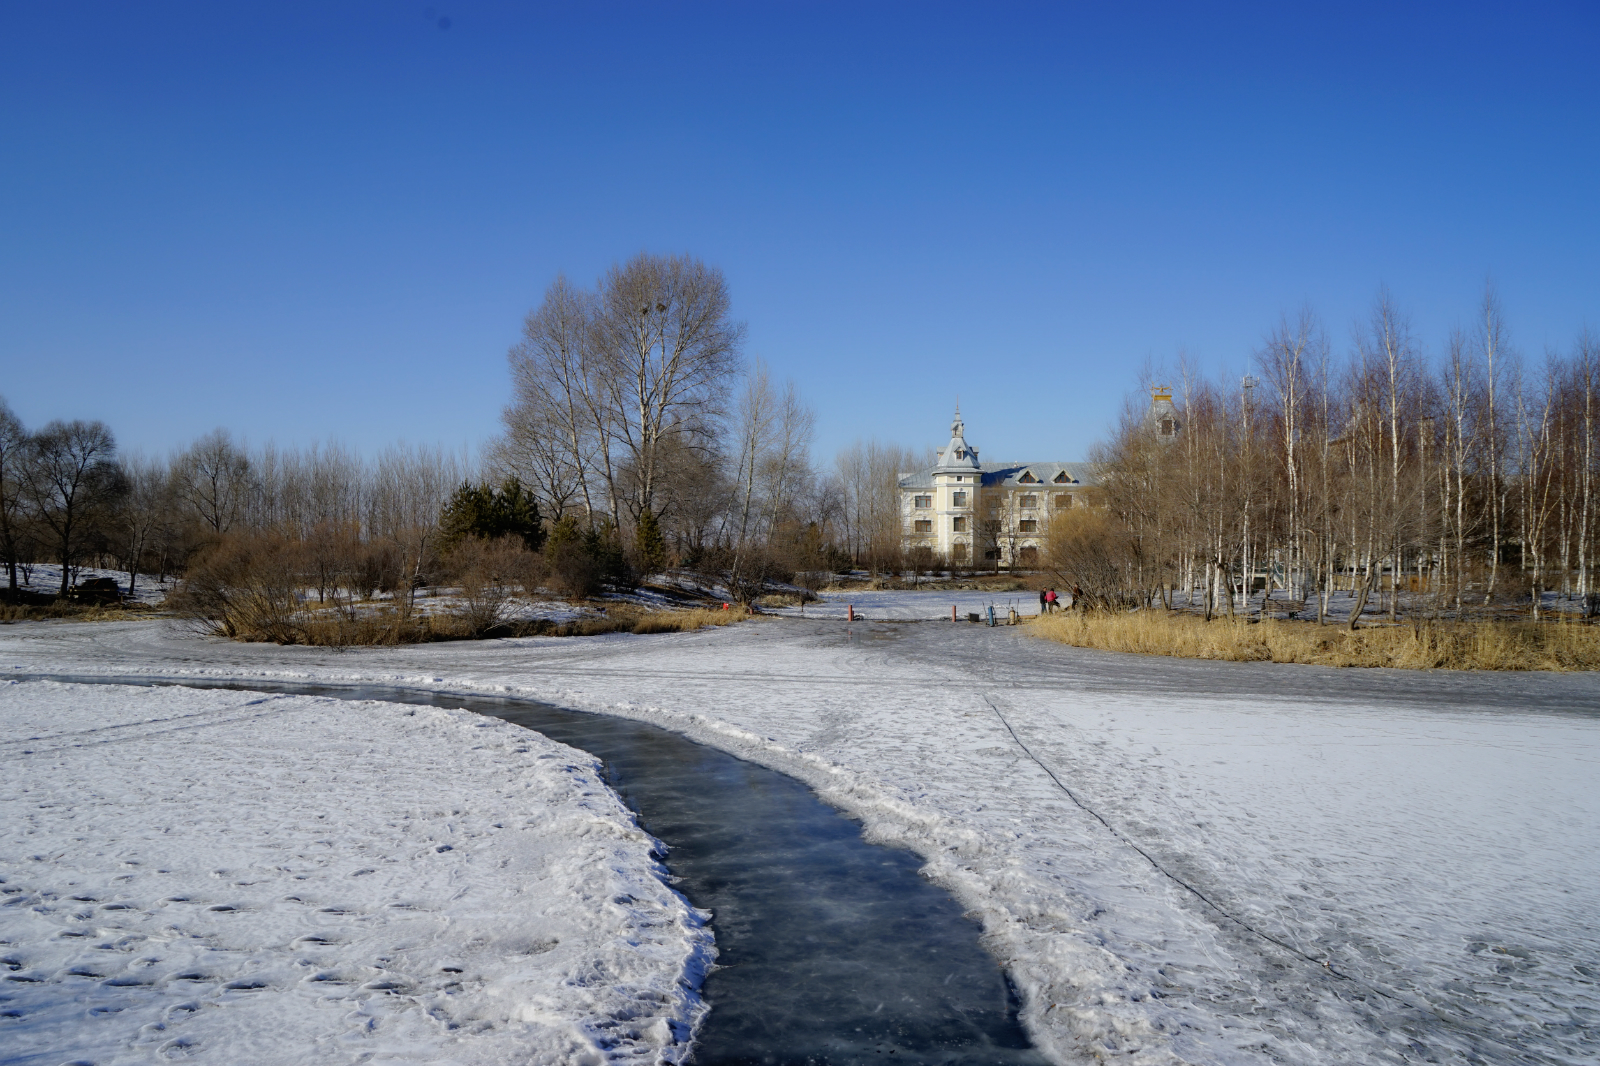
<point>1286,360</point>
<point>73,479</point>
<point>559,425</point>
<point>13,455</point>
<point>148,500</point>
<point>1493,343</point>
<point>668,351</point>
<point>213,477</point>
<point>754,418</point>
<point>1387,341</point>
<point>788,463</point>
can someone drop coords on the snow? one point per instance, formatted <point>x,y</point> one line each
<point>1177,861</point>
<point>236,877</point>
<point>881,606</point>
<point>45,578</point>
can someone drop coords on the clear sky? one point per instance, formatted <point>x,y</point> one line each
<point>303,220</point>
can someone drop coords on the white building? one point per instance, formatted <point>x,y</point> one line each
<point>969,512</point>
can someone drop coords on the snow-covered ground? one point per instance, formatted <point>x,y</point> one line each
<point>45,578</point>
<point>230,877</point>
<point>1176,860</point>
<point>885,606</point>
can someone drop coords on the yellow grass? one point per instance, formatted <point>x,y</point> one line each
<point>682,621</point>
<point>330,628</point>
<point>1425,646</point>
<point>75,612</point>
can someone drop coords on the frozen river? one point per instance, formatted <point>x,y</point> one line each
<point>1176,861</point>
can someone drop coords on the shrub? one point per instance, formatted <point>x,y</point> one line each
<point>246,588</point>
<point>582,562</point>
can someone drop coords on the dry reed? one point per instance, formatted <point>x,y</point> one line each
<point>386,626</point>
<point>75,612</point>
<point>1423,646</point>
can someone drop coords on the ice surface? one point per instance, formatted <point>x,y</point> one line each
<point>231,877</point>
<point>1405,863</point>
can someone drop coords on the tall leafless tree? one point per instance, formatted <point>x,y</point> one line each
<point>73,480</point>
<point>13,456</point>
<point>668,351</point>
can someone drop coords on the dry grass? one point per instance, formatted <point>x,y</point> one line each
<point>1424,646</point>
<point>76,612</point>
<point>335,629</point>
<point>684,620</point>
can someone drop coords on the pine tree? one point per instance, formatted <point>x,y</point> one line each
<point>480,511</point>
<point>652,545</point>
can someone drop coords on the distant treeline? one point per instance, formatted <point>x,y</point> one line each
<point>1462,481</point>
<point>637,438</point>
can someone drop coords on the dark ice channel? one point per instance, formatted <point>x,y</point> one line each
<point>830,950</point>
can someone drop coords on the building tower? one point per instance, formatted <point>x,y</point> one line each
<point>956,479</point>
<point>1163,415</point>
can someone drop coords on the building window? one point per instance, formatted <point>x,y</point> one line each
<point>958,499</point>
<point>1030,501</point>
<point>1062,478</point>
<point>1027,478</point>
<point>924,525</point>
<point>1028,556</point>
<point>1028,525</point>
<point>960,526</point>
<point>958,553</point>
<point>1166,427</point>
<point>991,553</point>
<point>1063,501</point>
<point>922,501</point>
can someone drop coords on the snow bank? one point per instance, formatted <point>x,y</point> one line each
<point>242,878</point>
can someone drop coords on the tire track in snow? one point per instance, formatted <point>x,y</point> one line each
<point>138,730</point>
<point>1459,1025</point>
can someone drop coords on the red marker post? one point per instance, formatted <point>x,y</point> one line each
<point>851,608</point>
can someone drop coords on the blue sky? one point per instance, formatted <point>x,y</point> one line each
<point>299,221</point>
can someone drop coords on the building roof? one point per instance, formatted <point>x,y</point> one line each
<point>957,457</point>
<point>1010,475</point>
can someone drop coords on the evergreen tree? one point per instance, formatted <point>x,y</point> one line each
<point>652,545</point>
<point>481,511</point>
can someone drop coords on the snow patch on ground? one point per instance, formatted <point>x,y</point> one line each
<point>45,578</point>
<point>231,877</point>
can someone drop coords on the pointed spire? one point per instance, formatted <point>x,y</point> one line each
<point>958,455</point>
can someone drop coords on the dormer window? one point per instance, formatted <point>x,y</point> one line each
<point>1027,478</point>
<point>1062,478</point>
<point>961,453</point>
